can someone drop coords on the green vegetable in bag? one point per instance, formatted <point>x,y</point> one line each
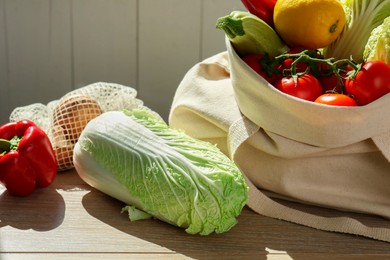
<point>251,35</point>
<point>378,45</point>
<point>363,16</point>
<point>135,157</point>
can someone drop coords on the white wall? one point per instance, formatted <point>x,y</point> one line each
<point>50,47</point>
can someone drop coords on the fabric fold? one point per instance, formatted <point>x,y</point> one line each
<point>277,141</point>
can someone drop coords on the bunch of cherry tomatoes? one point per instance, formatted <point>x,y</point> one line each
<point>306,74</point>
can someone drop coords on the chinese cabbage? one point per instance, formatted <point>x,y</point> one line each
<point>362,17</point>
<point>378,45</point>
<point>135,157</point>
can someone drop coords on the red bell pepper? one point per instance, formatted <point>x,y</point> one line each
<point>27,158</point>
<point>264,9</point>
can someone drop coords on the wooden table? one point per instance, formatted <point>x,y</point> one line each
<point>71,220</point>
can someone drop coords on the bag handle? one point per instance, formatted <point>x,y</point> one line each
<point>242,130</point>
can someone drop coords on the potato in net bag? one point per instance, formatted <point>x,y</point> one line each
<point>63,120</point>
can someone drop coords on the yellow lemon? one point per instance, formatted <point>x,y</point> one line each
<point>309,24</point>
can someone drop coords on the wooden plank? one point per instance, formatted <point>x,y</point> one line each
<point>169,46</point>
<point>212,39</point>
<point>59,77</point>
<point>4,99</point>
<point>173,256</point>
<point>97,41</point>
<point>104,41</point>
<point>38,53</point>
<point>93,256</point>
<point>70,219</point>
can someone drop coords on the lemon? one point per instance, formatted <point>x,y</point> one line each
<point>309,24</point>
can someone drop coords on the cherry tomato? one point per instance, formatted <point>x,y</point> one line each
<point>371,82</point>
<point>254,61</point>
<point>306,87</point>
<point>335,99</point>
<point>300,67</point>
<point>330,83</point>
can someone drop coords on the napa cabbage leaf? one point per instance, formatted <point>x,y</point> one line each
<point>135,157</point>
<point>378,45</point>
<point>363,16</point>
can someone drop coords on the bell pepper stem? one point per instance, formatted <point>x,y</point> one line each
<point>5,146</point>
<point>9,145</point>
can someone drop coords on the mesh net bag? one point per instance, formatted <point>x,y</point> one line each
<point>63,120</point>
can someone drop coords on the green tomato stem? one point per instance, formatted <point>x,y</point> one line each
<point>306,56</point>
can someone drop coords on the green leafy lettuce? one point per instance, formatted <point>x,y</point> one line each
<point>135,157</point>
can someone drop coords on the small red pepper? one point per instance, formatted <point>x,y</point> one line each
<point>264,9</point>
<point>27,158</point>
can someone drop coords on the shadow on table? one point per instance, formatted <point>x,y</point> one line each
<point>35,211</point>
<point>254,235</point>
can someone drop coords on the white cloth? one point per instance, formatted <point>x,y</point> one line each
<point>332,157</point>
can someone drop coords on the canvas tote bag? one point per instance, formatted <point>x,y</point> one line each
<point>319,166</point>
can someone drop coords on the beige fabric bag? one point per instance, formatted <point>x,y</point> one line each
<point>323,167</point>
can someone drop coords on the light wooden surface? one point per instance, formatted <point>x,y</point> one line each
<point>50,47</point>
<point>71,220</point>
